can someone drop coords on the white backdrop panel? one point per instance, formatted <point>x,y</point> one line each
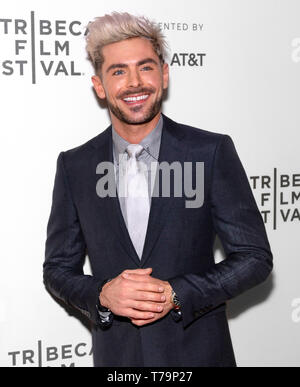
<point>247,87</point>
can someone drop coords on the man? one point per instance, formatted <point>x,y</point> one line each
<point>156,296</point>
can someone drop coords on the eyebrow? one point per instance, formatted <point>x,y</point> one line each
<point>123,65</point>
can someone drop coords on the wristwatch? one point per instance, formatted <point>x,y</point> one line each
<point>175,300</point>
<point>105,314</point>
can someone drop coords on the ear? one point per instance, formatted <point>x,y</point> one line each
<point>165,75</point>
<point>98,86</point>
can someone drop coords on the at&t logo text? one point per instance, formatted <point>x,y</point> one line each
<point>188,59</point>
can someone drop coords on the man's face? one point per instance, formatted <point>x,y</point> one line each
<point>132,80</point>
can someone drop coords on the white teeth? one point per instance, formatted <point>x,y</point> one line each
<point>134,99</point>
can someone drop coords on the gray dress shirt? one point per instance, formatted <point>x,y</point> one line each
<point>150,153</point>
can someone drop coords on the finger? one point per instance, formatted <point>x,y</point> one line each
<point>148,296</point>
<point>136,276</point>
<point>142,322</point>
<point>146,306</point>
<point>139,277</point>
<point>146,286</point>
<point>138,271</point>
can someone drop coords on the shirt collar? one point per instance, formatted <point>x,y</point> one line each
<point>151,142</point>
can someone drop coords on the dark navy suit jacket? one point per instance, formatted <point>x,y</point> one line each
<point>178,246</point>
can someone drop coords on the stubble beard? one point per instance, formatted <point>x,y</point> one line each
<point>148,116</point>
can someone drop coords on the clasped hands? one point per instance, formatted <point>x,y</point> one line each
<point>138,296</point>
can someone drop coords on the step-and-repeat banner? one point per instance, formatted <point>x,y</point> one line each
<point>235,69</point>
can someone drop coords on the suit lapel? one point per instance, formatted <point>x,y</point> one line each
<point>110,206</point>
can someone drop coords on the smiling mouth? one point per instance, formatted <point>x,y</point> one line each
<point>136,100</point>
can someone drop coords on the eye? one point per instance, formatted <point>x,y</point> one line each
<point>118,72</point>
<point>147,68</point>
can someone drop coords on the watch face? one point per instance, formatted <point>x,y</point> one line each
<point>175,299</point>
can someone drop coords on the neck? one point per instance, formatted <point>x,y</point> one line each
<point>134,134</point>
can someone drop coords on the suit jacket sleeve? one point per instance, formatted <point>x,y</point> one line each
<point>66,251</point>
<point>241,230</point>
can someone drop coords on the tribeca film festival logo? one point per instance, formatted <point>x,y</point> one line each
<point>181,179</point>
<point>46,356</point>
<point>43,48</point>
<point>278,196</point>
<point>39,47</point>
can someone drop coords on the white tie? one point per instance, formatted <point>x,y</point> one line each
<point>136,198</point>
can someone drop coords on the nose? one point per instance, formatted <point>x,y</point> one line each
<point>134,78</point>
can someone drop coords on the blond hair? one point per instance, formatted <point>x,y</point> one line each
<point>121,26</point>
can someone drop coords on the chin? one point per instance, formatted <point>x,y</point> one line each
<point>139,120</point>
<point>138,117</point>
